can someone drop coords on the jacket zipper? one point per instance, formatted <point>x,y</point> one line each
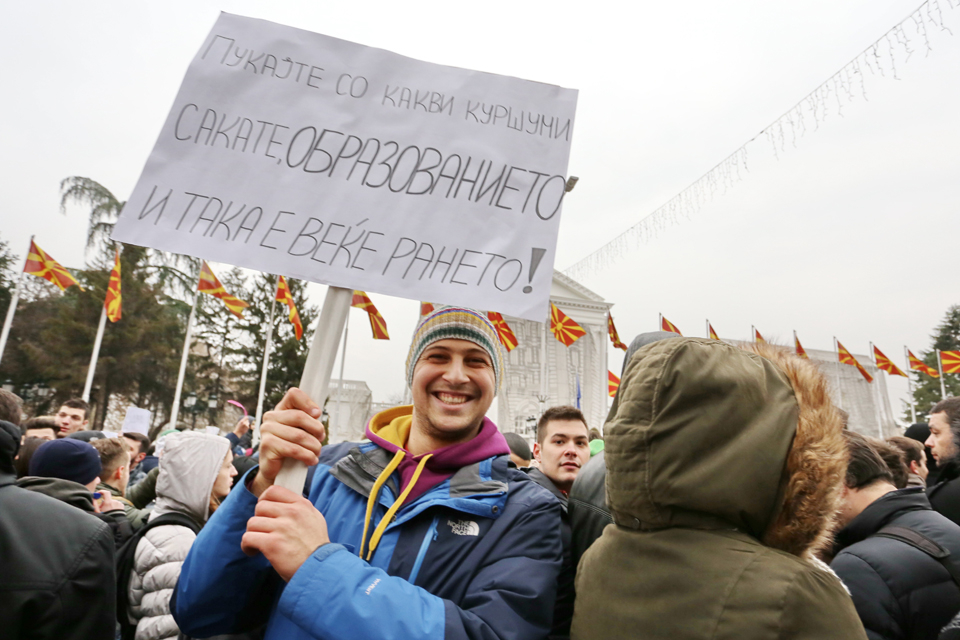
<point>430,536</point>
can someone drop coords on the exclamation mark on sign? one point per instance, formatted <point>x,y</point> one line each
<point>536,255</point>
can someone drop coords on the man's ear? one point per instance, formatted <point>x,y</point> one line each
<point>118,473</point>
<point>536,451</point>
<point>915,467</point>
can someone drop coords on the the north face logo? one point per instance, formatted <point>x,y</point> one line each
<point>464,527</point>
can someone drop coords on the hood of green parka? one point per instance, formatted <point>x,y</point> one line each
<point>698,437</point>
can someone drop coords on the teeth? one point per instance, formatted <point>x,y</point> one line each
<point>449,398</point>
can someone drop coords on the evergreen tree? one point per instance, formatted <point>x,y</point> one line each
<point>8,276</point>
<point>288,355</point>
<point>926,389</point>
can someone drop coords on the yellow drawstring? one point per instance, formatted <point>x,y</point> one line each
<point>378,532</point>
<point>372,500</point>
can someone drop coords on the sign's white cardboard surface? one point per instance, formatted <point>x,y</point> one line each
<point>136,420</point>
<point>291,152</point>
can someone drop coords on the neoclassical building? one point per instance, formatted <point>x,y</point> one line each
<point>541,372</point>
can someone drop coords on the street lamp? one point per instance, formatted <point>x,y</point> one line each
<point>212,407</point>
<point>190,406</point>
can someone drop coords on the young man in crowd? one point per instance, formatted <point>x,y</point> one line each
<point>57,580</point>
<point>561,450</point>
<point>11,407</point>
<point>915,458</point>
<point>69,470</point>
<point>724,469</point>
<point>72,417</point>
<point>519,450</point>
<point>944,444</point>
<point>115,476</point>
<point>43,428</point>
<point>137,445</point>
<point>424,532</point>
<point>894,553</point>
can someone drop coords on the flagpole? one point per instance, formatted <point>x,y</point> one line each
<point>315,381</point>
<point>95,355</point>
<point>266,363</point>
<point>836,348</point>
<point>12,309</point>
<point>708,327</point>
<point>872,355</point>
<point>753,333</point>
<point>795,350</point>
<point>343,360</point>
<point>913,404</point>
<point>660,325</point>
<point>943,387</point>
<point>183,358</point>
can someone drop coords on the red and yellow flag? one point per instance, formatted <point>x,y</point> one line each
<point>916,364</point>
<point>285,296</point>
<point>799,347</point>
<point>757,337</point>
<point>113,302</point>
<point>564,329</point>
<point>211,286</point>
<point>426,308</point>
<point>666,325</point>
<point>41,265</point>
<point>884,364</point>
<point>507,337</point>
<point>713,334</point>
<point>950,361</point>
<point>613,383</point>
<point>377,324</point>
<point>847,358</point>
<point>614,336</point>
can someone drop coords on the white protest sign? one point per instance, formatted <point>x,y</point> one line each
<point>136,420</point>
<point>291,152</point>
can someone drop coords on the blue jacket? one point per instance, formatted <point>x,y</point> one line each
<point>475,557</point>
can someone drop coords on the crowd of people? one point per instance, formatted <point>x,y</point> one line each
<point>724,497</point>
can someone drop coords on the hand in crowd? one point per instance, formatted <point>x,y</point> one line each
<point>242,427</point>
<point>292,430</point>
<point>106,503</point>
<point>286,529</point>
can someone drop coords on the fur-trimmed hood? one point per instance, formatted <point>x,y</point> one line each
<point>707,435</point>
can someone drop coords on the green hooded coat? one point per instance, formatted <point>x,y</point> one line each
<point>723,471</point>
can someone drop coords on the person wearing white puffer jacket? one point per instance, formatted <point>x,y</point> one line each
<point>196,472</point>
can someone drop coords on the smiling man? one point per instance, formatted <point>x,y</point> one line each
<point>561,449</point>
<point>944,444</point>
<point>423,532</point>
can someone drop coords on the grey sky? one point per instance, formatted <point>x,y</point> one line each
<point>844,235</point>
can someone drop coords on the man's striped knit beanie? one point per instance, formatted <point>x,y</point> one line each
<point>456,323</point>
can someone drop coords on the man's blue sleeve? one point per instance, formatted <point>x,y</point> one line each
<point>335,594</point>
<point>221,589</point>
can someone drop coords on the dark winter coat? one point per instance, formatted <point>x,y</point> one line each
<point>56,563</point>
<point>724,468</point>
<point>77,495</point>
<point>944,496</point>
<point>588,506</point>
<point>563,610</point>
<point>475,557</point>
<point>900,591</point>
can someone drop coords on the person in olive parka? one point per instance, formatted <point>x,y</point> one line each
<point>724,468</point>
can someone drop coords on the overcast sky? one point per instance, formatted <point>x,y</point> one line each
<point>849,233</point>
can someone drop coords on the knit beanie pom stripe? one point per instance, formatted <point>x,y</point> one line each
<point>456,323</point>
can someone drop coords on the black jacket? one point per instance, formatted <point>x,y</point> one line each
<point>56,563</point>
<point>899,591</point>
<point>944,496</point>
<point>588,506</point>
<point>563,609</point>
<point>77,495</point>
